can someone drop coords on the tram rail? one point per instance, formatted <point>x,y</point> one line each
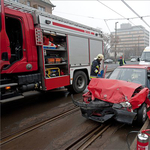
<point>29,129</point>
<point>82,144</point>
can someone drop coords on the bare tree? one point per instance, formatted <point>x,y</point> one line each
<point>109,42</point>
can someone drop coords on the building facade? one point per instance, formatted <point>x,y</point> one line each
<point>131,40</point>
<point>43,5</point>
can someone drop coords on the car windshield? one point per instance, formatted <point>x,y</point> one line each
<point>145,56</point>
<point>129,74</point>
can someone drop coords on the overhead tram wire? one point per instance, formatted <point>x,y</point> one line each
<point>110,8</point>
<point>136,13</point>
<point>115,12</point>
<point>105,20</point>
<point>91,17</point>
<point>107,25</point>
<point>127,18</point>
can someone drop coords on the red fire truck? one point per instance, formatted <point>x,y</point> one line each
<point>41,51</point>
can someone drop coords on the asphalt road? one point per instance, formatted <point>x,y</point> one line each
<point>22,114</point>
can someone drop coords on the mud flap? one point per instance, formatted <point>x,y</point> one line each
<point>124,116</point>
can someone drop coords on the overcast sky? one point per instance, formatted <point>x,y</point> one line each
<point>93,12</point>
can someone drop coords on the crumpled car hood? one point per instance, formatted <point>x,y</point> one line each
<point>117,91</point>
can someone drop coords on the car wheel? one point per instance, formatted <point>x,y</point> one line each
<point>141,114</point>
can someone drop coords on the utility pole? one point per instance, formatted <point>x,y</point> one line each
<point>115,40</point>
<point>138,45</point>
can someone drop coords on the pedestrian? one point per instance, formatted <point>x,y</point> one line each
<point>95,67</point>
<point>121,61</point>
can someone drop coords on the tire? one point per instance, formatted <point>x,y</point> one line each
<point>79,82</point>
<point>141,114</point>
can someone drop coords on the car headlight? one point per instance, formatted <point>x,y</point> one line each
<point>125,104</point>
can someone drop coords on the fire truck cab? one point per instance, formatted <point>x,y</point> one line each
<point>40,51</point>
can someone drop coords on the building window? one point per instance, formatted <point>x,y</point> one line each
<point>28,3</point>
<point>41,8</point>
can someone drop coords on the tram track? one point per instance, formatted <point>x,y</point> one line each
<point>79,134</point>
<point>29,129</point>
<point>83,142</point>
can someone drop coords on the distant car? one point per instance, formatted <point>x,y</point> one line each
<point>133,59</point>
<point>108,61</point>
<point>124,96</point>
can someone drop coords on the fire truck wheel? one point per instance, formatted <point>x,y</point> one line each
<point>142,114</point>
<point>79,82</point>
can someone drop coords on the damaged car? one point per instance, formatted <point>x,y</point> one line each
<point>123,96</point>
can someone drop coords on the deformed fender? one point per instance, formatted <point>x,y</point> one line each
<point>140,98</point>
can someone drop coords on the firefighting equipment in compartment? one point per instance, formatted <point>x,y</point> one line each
<point>57,60</point>
<point>48,43</point>
<point>52,72</point>
<point>45,40</point>
<point>50,60</point>
<point>62,73</point>
<point>53,60</point>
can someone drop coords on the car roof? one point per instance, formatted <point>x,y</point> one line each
<point>136,66</point>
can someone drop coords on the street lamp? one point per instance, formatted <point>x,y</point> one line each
<point>115,40</point>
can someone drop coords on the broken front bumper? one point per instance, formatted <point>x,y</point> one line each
<point>102,111</point>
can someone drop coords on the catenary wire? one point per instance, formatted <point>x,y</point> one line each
<point>91,17</point>
<point>124,18</point>
<point>116,12</point>
<point>135,13</point>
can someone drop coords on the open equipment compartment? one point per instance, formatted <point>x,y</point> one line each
<point>55,55</point>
